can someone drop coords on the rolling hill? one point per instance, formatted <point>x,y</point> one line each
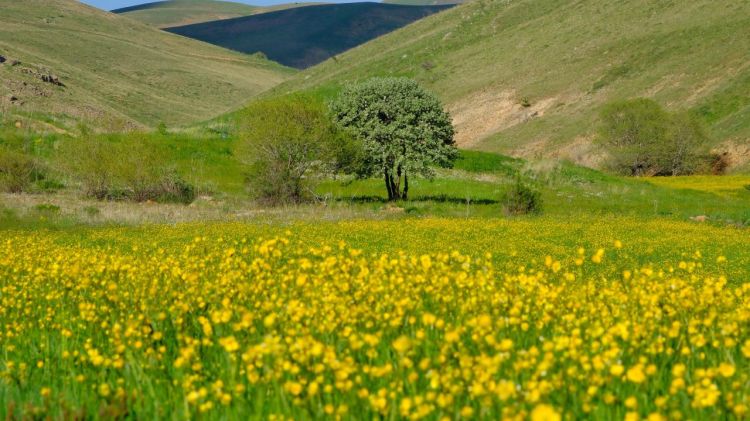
<point>422,2</point>
<point>66,62</point>
<point>304,36</point>
<point>163,14</point>
<point>184,12</point>
<point>528,77</point>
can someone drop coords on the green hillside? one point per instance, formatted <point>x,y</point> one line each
<point>67,62</point>
<point>564,59</point>
<point>169,13</point>
<point>184,12</point>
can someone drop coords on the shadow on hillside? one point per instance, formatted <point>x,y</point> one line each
<point>435,198</point>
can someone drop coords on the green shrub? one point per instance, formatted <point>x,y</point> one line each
<point>173,189</point>
<point>123,168</point>
<point>521,199</point>
<point>642,139</point>
<point>91,211</point>
<point>18,171</point>
<point>285,143</point>
<point>47,209</point>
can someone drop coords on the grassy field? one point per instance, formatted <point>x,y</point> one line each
<point>135,76</point>
<point>304,36</point>
<point>428,318</point>
<point>612,303</point>
<point>566,59</point>
<point>165,14</point>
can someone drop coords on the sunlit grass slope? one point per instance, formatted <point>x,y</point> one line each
<point>564,59</point>
<point>169,13</point>
<point>184,12</point>
<point>117,72</point>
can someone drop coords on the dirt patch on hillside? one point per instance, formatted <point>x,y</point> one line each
<point>738,150</point>
<point>489,111</point>
<point>581,151</point>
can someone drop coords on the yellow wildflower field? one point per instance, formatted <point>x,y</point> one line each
<point>417,319</point>
<point>730,185</point>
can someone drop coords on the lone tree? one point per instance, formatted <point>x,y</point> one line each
<point>403,128</point>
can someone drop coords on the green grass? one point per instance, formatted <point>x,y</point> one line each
<point>118,73</point>
<point>472,188</point>
<point>568,58</point>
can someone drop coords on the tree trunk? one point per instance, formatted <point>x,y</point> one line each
<point>388,185</point>
<point>405,195</point>
<point>394,188</point>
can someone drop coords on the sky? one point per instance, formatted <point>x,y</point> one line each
<point>116,4</point>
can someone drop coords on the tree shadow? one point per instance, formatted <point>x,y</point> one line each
<point>424,198</point>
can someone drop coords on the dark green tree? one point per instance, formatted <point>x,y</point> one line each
<point>403,128</point>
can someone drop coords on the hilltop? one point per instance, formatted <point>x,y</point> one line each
<point>184,12</point>
<point>163,14</point>
<point>422,2</point>
<point>304,36</point>
<point>66,62</point>
<point>528,77</point>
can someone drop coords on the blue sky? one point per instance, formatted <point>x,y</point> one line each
<point>115,4</point>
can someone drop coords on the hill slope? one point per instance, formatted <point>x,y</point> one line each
<point>184,12</point>
<point>422,2</point>
<point>164,14</point>
<point>566,58</point>
<point>116,72</point>
<point>304,36</point>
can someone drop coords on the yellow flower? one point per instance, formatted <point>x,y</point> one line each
<point>467,411</point>
<point>402,344</point>
<point>631,416</point>
<point>636,375</point>
<point>544,412</point>
<point>746,349</point>
<point>294,388</point>
<point>229,343</point>
<point>616,370</point>
<point>726,370</point>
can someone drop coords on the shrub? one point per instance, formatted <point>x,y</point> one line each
<point>644,140</point>
<point>285,143</point>
<point>521,199</point>
<point>47,209</point>
<point>173,189</point>
<point>18,171</point>
<point>124,168</point>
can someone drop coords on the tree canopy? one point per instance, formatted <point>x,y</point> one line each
<point>403,127</point>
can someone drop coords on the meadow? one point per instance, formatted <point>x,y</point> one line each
<point>431,318</point>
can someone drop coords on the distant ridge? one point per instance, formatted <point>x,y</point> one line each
<point>305,36</point>
<point>169,13</point>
